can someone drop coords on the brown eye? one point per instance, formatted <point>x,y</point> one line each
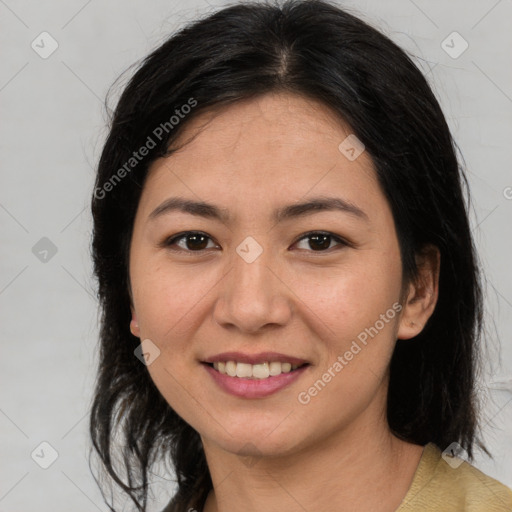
<point>191,241</point>
<point>320,242</point>
<point>196,242</point>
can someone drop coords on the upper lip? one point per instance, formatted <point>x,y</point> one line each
<point>258,358</point>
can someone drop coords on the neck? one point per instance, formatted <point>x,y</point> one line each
<point>361,470</point>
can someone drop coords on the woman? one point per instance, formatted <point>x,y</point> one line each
<point>291,301</point>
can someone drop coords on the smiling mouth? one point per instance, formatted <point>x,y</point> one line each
<point>259,371</point>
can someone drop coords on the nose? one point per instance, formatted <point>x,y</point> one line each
<point>252,296</point>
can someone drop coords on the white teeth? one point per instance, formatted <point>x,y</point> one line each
<point>231,368</point>
<point>243,370</point>
<point>275,368</point>
<point>260,371</point>
<point>286,367</point>
<point>254,371</point>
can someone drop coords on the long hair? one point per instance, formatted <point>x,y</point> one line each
<point>322,52</point>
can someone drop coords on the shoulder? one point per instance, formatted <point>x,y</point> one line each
<point>453,485</point>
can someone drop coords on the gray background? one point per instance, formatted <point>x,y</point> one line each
<point>52,129</point>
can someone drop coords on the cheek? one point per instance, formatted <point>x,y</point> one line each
<point>166,298</point>
<point>361,316</point>
<point>169,304</point>
<point>348,298</point>
<point>356,313</point>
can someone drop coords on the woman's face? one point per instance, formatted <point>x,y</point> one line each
<point>254,282</point>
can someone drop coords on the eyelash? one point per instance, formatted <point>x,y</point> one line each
<point>169,241</point>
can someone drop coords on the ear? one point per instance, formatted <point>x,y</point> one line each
<point>134,324</point>
<point>422,294</point>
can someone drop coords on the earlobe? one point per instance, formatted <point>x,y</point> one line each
<point>134,324</point>
<point>422,295</point>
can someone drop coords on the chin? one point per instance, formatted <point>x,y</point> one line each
<point>257,443</point>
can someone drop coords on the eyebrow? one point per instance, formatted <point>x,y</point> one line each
<point>211,211</point>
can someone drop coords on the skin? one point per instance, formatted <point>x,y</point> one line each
<point>336,453</point>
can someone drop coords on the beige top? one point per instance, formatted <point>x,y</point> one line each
<point>445,486</point>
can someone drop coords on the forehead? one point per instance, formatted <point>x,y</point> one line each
<point>273,121</point>
<point>263,148</point>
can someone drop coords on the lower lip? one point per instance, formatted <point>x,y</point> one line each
<point>254,388</point>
